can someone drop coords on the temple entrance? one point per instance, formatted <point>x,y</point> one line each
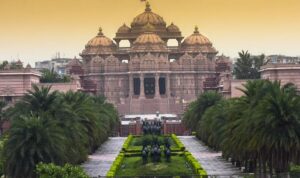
<point>149,85</point>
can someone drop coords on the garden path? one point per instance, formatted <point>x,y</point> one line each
<point>210,160</point>
<point>99,163</point>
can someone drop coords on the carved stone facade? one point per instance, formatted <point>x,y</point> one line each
<point>150,76</point>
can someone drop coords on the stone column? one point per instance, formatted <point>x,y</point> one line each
<point>142,90</point>
<point>130,86</point>
<point>118,43</point>
<point>157,94</point>
<point>179,41</point>
<point>168,90</point>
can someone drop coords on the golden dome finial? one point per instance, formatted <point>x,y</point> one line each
<point>196,30</point>
<point>100,32</point>
<point>148,8</point>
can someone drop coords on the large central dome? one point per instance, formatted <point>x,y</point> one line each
<point>148,17</point>
<point>140,25</point>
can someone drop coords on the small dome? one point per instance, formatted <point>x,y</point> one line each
<point>100,40</point>
<point>197,43</point>
<point>28,66</point>
<point>99,45</point>
<point>148,37</point>
<point>124,29</point>
<point>149,41</point>
<point>148,17</point>
<point>196,39</point>
<point>173,28</point>
<point>74,62</point>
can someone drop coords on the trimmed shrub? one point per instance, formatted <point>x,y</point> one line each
<point>198,169</point>
<point>127,143</point>
<point>54,171</point>
<point>178,142</point>
<point>116,164</point>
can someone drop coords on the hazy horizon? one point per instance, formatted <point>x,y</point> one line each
<point>34,30</point>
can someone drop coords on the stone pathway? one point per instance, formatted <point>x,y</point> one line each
<point>99,163</point>
<point>211,161</point>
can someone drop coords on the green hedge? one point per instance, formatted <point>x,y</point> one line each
<point>178,142</point>
<point>119,159</point>
<point>133,149</point>
<point>127,142</point>
<point>198,169</point>
<point>116,164</point>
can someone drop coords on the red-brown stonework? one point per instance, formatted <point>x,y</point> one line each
<point>150,76</point>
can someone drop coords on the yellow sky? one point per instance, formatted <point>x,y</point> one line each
<point>36,29</point>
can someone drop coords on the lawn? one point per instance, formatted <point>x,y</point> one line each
<point>133,166</point>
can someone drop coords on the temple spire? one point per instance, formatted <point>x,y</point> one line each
<point>148,7</point>
<point>100,32</point>
<point>196,31</point>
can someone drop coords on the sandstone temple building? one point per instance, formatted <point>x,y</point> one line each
<point>150,76</point>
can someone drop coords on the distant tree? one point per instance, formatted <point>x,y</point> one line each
<point>50,76</point>
<point>2,66</point>
<point>12,65</point>
<point>247,66</point>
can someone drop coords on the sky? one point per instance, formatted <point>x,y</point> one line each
<point>33,30</point>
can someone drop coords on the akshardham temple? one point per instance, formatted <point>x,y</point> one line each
<point>149,76</point>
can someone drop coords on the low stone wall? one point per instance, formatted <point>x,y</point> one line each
<point>62,87</point>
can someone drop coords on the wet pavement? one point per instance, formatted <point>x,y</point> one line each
<point>210,160</point>
<point>99,163</point>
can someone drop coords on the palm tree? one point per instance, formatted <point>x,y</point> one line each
<point>260,130</point>
<point>2,105</point>
<point>46,125</point>
<point>38,100</point>
<point>197,108</point>
<point>79,110</point>
<point>32,140</point>
<point>211,126</point>
<point>277,127</point>
<point>247,66</point>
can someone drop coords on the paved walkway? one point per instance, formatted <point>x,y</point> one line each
<point>99,163</point>
<point>210,160</point>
